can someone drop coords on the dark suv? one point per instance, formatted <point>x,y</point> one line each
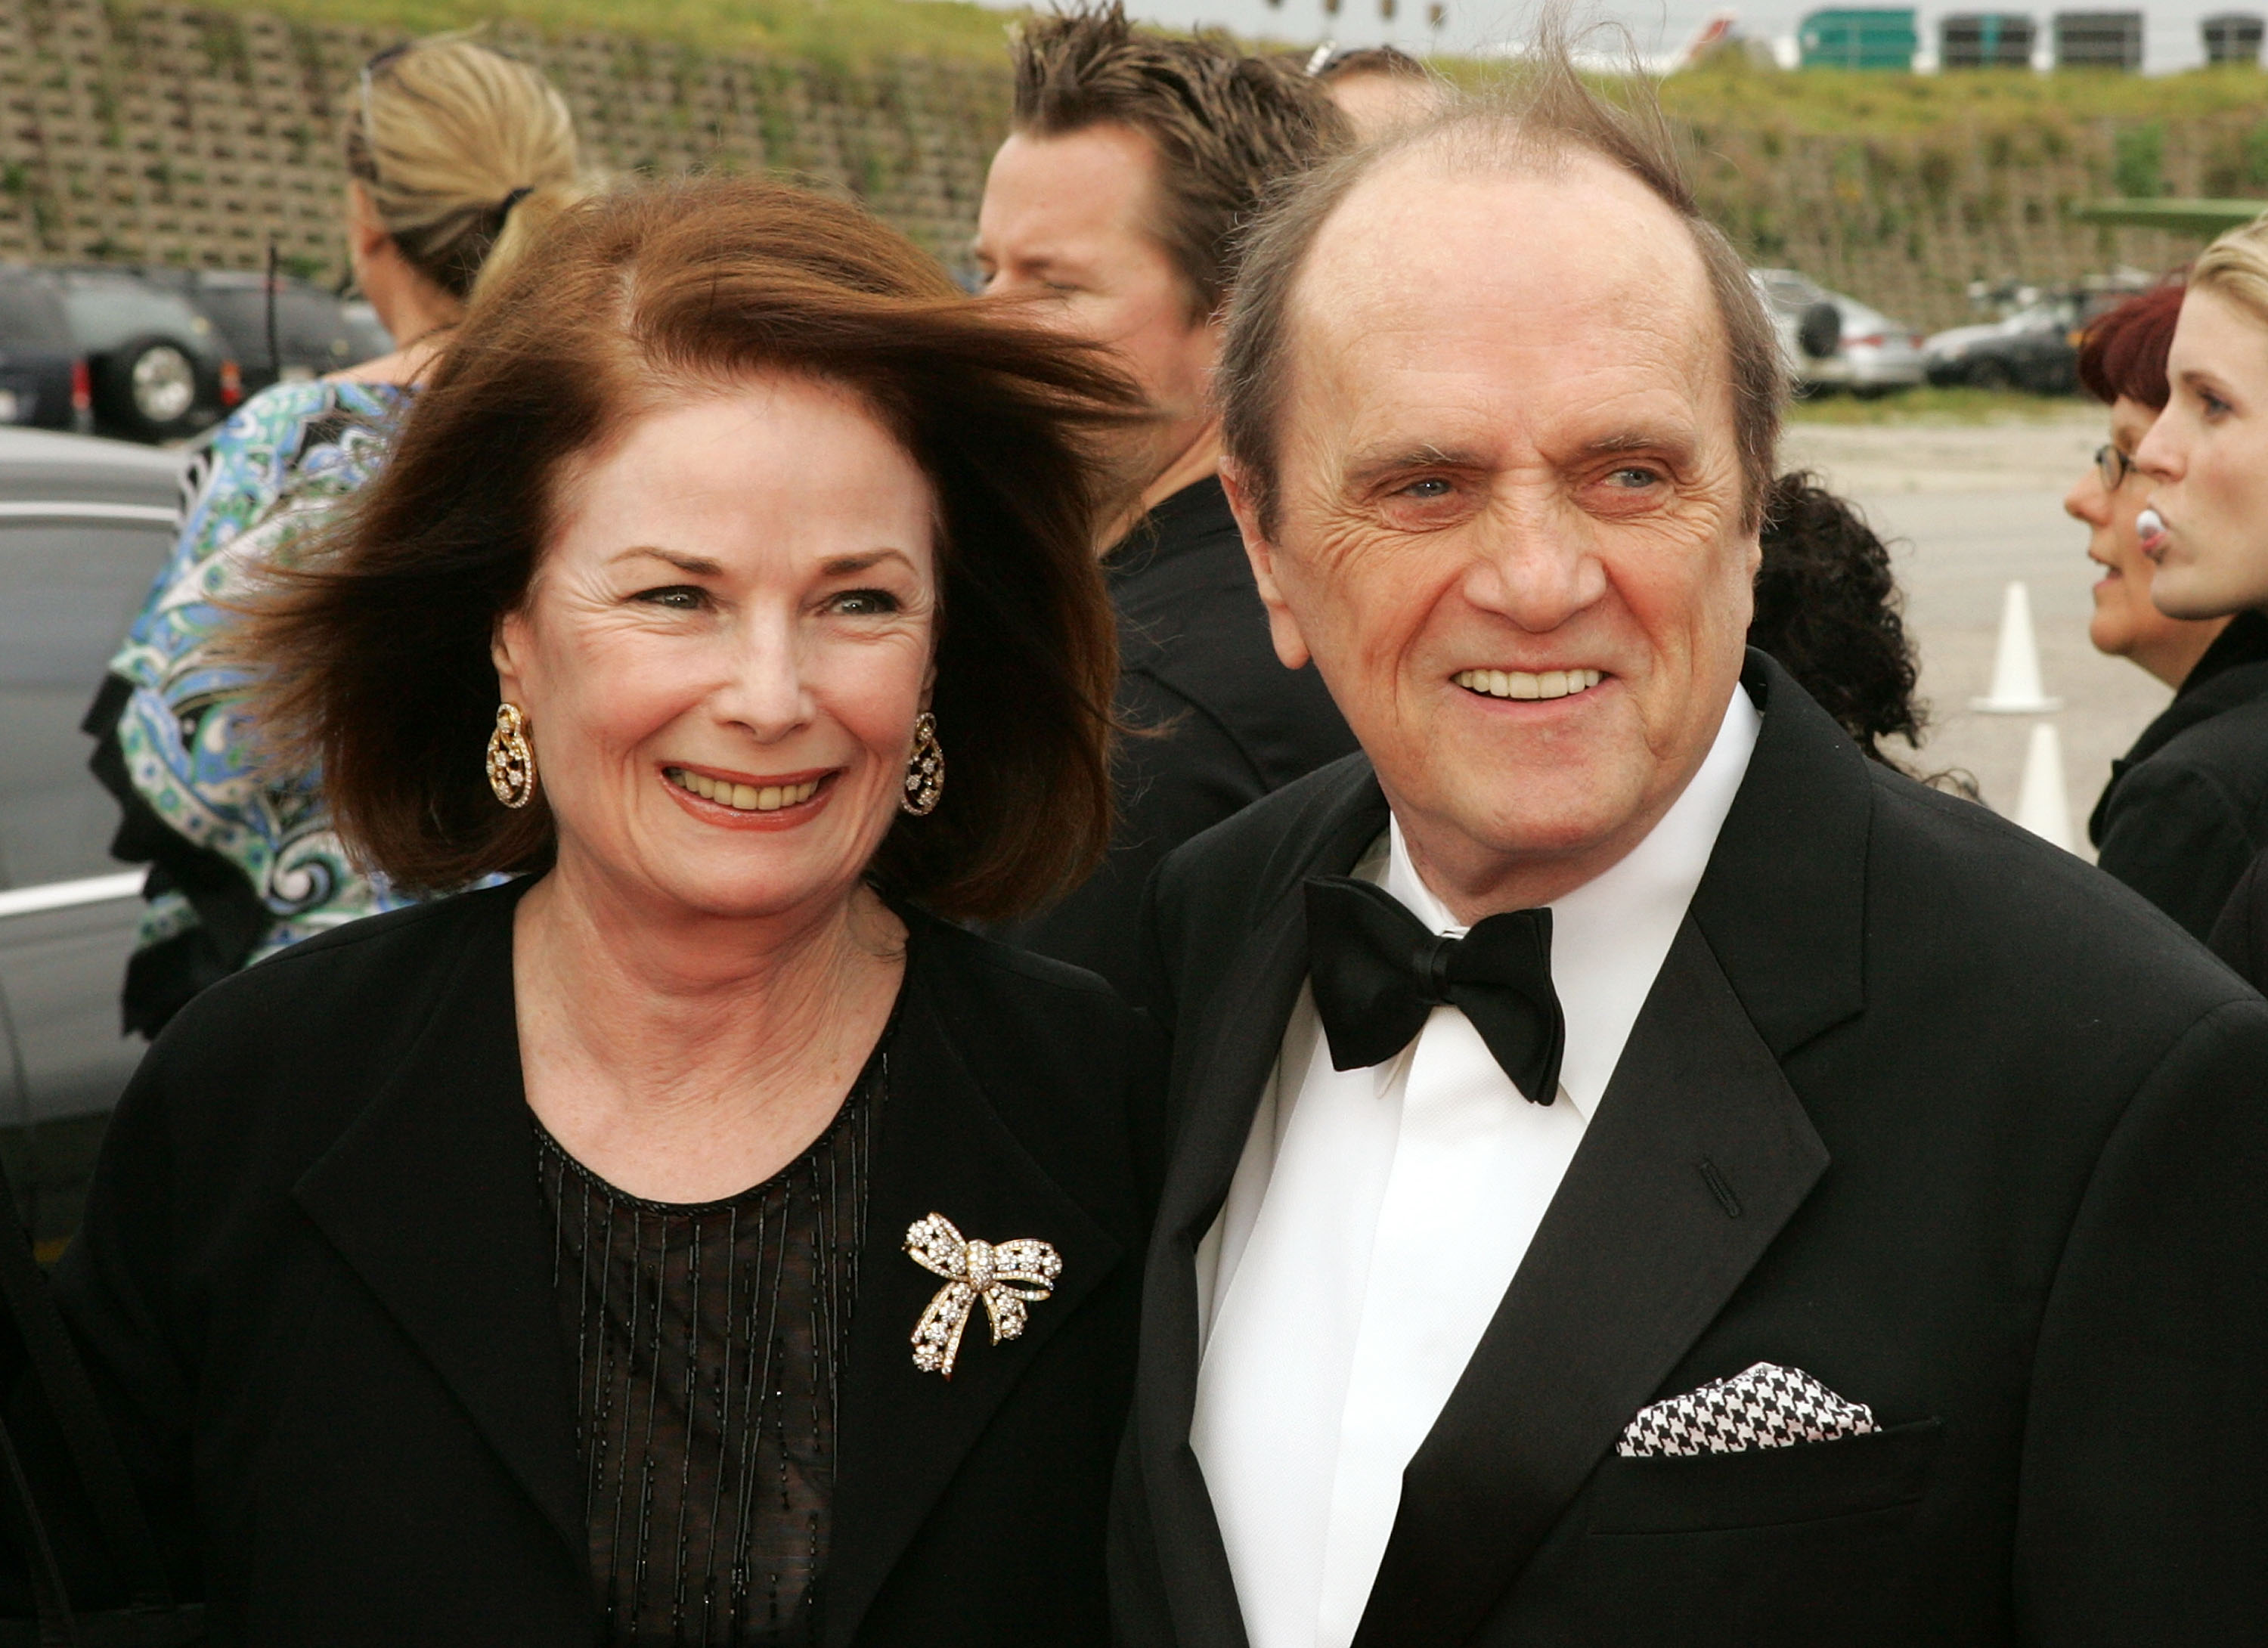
<point>44,380</point>
<point>314,335</point>
<point>157,369</point>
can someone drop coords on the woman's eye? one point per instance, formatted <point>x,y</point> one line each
<point>2214,406</point>
<point>866,603</point>
<point>675,597</point>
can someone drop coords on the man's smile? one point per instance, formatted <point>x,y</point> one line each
<point>1521,684</point>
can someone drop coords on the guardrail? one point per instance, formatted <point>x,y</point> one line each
<point>55,895</point>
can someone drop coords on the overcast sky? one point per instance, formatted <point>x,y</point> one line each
<point>2172,41</point>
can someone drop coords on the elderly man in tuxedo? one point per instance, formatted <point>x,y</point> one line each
<point>1646,1174</point>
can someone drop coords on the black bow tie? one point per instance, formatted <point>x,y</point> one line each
<point>1376,973</point>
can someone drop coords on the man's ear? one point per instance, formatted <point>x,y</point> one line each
<point>1283,628</point>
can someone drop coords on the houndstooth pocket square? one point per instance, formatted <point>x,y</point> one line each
<point>1766,1407</point>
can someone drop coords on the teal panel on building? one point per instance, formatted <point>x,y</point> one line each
<point>1858,40</point>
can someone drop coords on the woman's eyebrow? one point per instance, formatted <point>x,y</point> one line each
<point>697,565</point>
<point>846,566</point>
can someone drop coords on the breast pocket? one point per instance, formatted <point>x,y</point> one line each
<point>1797,1545</point>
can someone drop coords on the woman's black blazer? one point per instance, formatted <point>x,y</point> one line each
<point>314,1284</point>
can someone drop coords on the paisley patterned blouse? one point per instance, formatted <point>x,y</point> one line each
<point>244,864</point>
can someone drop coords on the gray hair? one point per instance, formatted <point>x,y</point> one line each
<point>1549,111</point>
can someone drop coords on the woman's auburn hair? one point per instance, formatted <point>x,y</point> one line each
<point>374,648</point>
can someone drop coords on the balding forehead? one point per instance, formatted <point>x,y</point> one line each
<point>1446,222</point>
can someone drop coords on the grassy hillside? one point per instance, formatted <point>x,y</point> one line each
<point>831,30</point>
<point>153,131</point>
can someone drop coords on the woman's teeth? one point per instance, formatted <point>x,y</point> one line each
<point>742,797</point>
<point>1520,684</point>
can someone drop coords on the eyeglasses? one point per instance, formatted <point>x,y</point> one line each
<point>2113,465</point>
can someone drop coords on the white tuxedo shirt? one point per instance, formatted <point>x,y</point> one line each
<point>1378,1216</point>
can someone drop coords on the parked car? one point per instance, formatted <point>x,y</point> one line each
<point>44,380</point>
<point>86,526</point>
<point>1832,342</point>
<point>314,334</point>
<point>2034,348</point>
<point>157,369</point>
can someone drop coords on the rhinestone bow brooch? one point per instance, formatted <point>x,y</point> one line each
<point>974,1270</point>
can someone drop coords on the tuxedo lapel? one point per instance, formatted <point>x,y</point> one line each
<point>1699,1153</point>
<point>940,1147</point>
<point>431,1197</point>
<point>1223,1060</point>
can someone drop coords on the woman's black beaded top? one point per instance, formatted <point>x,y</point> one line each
<point>707,1339</point>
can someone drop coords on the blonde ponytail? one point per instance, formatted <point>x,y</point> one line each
<point>466,155</point>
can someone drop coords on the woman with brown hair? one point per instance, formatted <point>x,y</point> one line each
<point>695,1238</point>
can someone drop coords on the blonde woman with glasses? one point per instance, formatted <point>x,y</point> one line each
<point>457,157</point>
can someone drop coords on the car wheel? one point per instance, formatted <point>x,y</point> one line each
<point>1818,334</point>
<point>148,389</point>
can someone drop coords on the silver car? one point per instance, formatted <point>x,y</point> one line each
<point>1832,342</point>
<point>86,526</point>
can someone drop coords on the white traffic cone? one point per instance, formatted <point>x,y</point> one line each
<point>2043,805</point>
<point>2016,664</point>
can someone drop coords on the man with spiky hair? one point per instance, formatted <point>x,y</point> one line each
<point>1647,1176</point>
<point>1132,161</point>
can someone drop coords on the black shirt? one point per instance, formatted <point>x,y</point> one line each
<point>2186,809</point>
<point>707,1342</point>
<point>1220,721</point>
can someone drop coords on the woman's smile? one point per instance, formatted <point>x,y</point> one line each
<point>737,801</point>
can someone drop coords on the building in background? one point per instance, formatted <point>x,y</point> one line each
<point>1986,40</point>
<point>2098,40</point>
<point>1846,38</point>
<point>2233,37</point>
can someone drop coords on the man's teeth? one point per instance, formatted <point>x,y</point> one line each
<point>1520,684</point>
<point>742,797</point>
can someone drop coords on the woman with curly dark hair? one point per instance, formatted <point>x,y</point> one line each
<point>1826,608</point>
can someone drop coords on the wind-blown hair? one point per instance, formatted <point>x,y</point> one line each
<point>1533,121</point>
<point>376,649</point>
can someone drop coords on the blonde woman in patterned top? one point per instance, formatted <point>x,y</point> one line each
<point>457,158</point>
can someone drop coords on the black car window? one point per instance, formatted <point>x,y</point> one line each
<point>30,314</point>
<point>105,313</point>
<point>308,324</point>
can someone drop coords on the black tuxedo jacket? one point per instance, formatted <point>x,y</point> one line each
<point>1919,1105</point>
<point>2187,807</point>
<point>314,1287</point>
<point>1218,721</point>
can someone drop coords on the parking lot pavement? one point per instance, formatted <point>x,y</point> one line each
<point>1970,508</point>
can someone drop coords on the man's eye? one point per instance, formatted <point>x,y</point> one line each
<point>1428,490</point>
<point>866,603</point>
<point>675,597</point>
<point>1632,476</point>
